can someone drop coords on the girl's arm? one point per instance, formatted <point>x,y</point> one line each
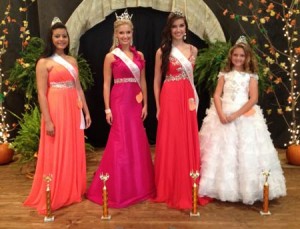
<point>85,108</point>
<point>217,99</point>
<point>42,88</point>
<point>253,98</point>
<point>107,74</point>
<point>144,91</point>
<point>157,79</point>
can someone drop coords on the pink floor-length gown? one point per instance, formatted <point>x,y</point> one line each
<point>177,144</point>
<point>127,157</point>
<point>62,156</point>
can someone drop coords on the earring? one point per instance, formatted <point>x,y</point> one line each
<point>116,41</point>
<point>131,42</point>
<point>184,36</point>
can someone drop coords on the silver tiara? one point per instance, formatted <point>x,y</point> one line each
<point>124,16</point>
<point>178,13</point>
<point>55,20</point>
<point>242,39</point>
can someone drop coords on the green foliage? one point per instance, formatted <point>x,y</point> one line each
<point>212,59</point>
<point>85,73</point>
<point>208,64</point>
<point>27,140</point>
<point>23,72</point>
<point>23,76</point>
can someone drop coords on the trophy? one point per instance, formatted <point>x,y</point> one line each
<point>105,215</point>
<point>194,176</point>
<point>265,210</point>
<point>49,217</point>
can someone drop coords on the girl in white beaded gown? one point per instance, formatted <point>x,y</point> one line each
<point>235,142</point>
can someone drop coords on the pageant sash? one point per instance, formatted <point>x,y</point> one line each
<point>58,59</point>
<point>129,63</point>
<point>188,68</point>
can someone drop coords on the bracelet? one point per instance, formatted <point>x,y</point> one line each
<point>107,111</point>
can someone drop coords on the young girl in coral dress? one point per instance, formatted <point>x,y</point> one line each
<point>61,154</point>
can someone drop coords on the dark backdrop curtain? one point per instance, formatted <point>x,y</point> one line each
<point>95,43</point>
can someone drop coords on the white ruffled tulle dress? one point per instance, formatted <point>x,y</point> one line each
<point>234,155</point>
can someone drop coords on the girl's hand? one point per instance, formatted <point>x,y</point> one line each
<point>50,130</point>
<point>88,121</point>
<point>223,119</point>
<point>231,117</point>
<point>157,114</point>
<point>144,113</point>
<point>109,118</point>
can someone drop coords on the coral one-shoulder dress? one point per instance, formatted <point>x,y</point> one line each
<point>61,156</point>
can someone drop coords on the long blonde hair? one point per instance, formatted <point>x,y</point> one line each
<point>117,24</point>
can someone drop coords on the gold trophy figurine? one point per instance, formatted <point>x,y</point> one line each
<point>194,211</point>
<point>265,210</point>
<point>105,215</point>
<point>49,217</point>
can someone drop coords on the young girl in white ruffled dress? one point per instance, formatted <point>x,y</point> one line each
<point>235,143</point>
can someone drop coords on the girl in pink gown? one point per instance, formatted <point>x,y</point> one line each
<point>177,143</point>
<point>127,157</point>
<point>61,150</point>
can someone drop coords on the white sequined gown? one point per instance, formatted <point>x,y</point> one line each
<point>234,155</point>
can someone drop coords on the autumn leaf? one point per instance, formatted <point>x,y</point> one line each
<point>269,90</point>
<point>278,80</point>
<point>225,12</point>
<point>297,50</point>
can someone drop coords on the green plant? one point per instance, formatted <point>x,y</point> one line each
<point>26,143</point>
<point>22,77</point>
<point>210,62</point>
<point>27,140</point>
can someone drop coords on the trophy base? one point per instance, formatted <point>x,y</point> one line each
<point>265,213</point>
<point>48,219</point>
<point>194,214</point>
<point>106,217</point>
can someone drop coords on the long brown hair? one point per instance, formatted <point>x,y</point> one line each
<point>250,64</point>
<point>166,43</point>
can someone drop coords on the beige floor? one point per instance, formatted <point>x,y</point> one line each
<point>15,187</point>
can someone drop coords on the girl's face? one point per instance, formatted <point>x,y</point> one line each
<point>238,58</point>
<point>178,29</point>
<point>60,38</point>
<point>124,34</point>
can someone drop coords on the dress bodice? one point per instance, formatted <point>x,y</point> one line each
<point>236,87</point>
<point>60,74</point>
<point>120,69</point>
<point>175,68</point>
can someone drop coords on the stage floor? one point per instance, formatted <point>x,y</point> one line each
<point>15,186</point>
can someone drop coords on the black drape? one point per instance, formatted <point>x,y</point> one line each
<point>95,43</point>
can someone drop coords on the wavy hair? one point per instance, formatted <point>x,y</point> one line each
<point>166,43</point>
<point>250,65</point>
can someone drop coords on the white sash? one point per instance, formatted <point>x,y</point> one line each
<point>129,63</point>
<point>188,68</point>
<point>58,59</point>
